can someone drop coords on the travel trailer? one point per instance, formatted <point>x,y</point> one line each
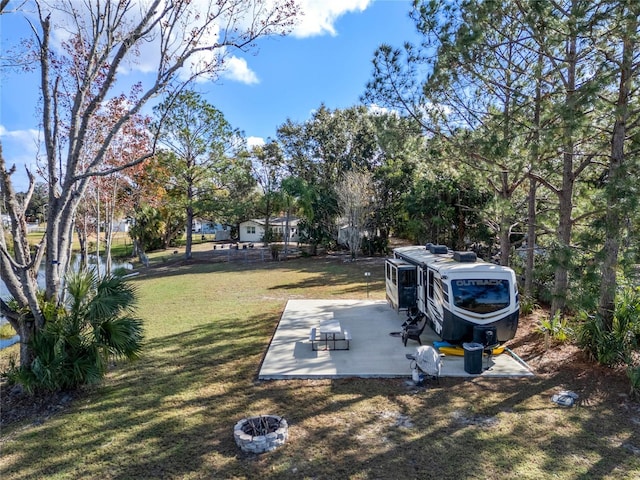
<point>458,293</point>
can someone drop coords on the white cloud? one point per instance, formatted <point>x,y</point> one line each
<point>195,17</point>
<point>376,109</point>
<point>27,139</point>
<point>319,16</point>
<point>254,141</point>
<point>21,148</point>
<point>238,70</point>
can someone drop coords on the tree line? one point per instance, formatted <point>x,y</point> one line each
<point>539,101</point>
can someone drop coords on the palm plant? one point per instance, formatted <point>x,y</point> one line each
<point>615,344</point>
<point>77,342</point>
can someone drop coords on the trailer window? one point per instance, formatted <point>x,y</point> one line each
<point>407,277</point>
<point>480,296</point>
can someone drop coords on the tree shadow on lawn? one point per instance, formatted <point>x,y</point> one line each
<point>142,421</point>
<point>482,428</point>
<point>358,284</point>
<point>171,415</point>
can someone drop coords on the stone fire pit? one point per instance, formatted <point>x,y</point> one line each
<point>261,434</point>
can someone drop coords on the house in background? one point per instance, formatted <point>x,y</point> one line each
<point>222,232</point>
<point>123,225</point>
<point>253,230</point>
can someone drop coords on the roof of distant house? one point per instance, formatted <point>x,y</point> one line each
<point>275,221</point>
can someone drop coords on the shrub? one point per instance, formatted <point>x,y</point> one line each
<point>615,345</point>
<point>555,327</point>
<point>634,377</point>
<point>527,305</point>
<point>602,345</point>
<point>76,343</point>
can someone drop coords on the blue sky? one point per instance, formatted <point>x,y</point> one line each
<point>327,60</point>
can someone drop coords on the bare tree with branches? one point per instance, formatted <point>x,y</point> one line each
<point>80,68</point>
<point>354,192</point>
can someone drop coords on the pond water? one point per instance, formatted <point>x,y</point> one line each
<point>7,342</point>
<point>4,292</point>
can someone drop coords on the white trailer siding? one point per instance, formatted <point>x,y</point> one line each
<point>457,294</point>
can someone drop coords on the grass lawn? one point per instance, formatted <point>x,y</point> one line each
<point>171,414</point>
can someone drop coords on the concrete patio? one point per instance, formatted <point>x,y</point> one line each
<point>373,351</point>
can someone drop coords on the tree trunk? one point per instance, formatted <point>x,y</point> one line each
<point>461,231</point>
<point>19,269</point>
<point>565,195</point>
<point>531,239</point>
<point>563,252</point>
<point>287,233</point>
<point>81,231</point>
<point>505,224</point>
<point>506,193</point>
<point>606,304</point>
<point>267,232</point>
<point>98,228</point>
<point>187,250</point>
<point>108,233</point>
<point>533,183</point>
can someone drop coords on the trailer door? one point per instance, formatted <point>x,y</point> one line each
<point>407,286</point>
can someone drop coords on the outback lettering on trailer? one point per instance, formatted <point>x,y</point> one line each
<point>477,283</point>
